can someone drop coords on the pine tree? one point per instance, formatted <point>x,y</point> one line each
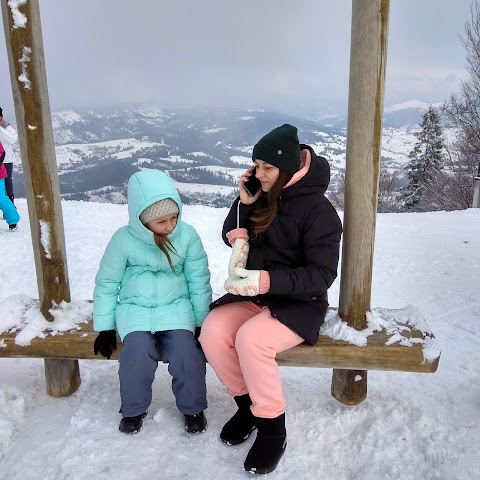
<point>426,158</point>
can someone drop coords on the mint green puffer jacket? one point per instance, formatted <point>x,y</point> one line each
<point>135,288</point>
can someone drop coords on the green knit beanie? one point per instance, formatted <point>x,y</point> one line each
<point>280,147</point>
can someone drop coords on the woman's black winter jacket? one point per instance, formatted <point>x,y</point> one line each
<point>300,251</point>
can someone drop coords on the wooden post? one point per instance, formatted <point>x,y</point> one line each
<point>368,56</point>
<point>476,194</point>
<point>24,43</point>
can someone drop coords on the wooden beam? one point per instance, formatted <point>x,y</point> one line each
<point>327,353</point>
<point>24,42</point>
<point>376,355</point>
<point>368,54</point>
<point>476,193</point>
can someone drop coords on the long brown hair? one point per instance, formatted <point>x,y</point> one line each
<point>165,245</point>
<point>266,207</point>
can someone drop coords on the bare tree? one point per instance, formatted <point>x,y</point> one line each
<point>463,113</point>
<point>337,196</point>
<point>452,188</point>
<point>388,192</point>
<point>389,200</point>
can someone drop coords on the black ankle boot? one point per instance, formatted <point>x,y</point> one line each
<point>269,446</point>
<point>132,424</point>
<point>241,425</point>
<point>195,423</point>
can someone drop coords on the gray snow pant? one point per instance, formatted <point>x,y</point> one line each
<point>139,361</point>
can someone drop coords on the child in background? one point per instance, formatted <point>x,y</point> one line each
<point>10,213</point>
<point>8,137</point>
<point>153,287</point>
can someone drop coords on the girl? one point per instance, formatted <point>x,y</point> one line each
<point>10,213</point>
<point>9,137</point>
<point>153,287</point>
<point>285,240</point>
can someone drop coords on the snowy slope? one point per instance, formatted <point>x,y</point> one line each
<point>411,427</point>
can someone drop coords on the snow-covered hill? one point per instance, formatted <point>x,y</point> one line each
<point>98,150</point>
<point>411,427</point>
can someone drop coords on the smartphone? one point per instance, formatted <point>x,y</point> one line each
<point>252,185</point>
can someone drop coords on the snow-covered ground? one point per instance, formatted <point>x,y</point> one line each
<point>124,148</point>
<point>411,427</point>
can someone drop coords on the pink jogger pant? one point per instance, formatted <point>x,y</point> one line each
<point>240,341</point>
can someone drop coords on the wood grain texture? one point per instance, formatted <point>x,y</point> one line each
<point>368,58</point>
<point>327,353</point>
<point>35,133</point>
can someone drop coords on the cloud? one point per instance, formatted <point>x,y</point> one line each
<point>428,83</point>
<point>236,53</point>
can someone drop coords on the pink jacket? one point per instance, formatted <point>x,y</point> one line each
<point>3,170</point>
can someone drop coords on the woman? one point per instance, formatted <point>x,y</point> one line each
<point>285,242</point>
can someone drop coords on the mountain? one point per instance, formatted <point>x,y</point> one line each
<point>406,113</point>
<point>205,150</point>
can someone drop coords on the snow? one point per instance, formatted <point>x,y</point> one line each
<point>65,117</point>
<point>45,237</point>
<point>23,60</point>
<point>123,148</point>
<point>410,104</point>
<point>21,314</point>
<point>203,188</point>
<point>235,173</point>
<point>241,160</point>
<point>178,159</point>
<point>411,427</point>
<point>213,130</point>
<point>19,19</point>
<point>319,133</point>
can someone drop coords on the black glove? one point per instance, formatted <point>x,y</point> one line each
<point>196,335</point>
<point>105,343</point>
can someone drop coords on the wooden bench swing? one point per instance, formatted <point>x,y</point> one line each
<point>350,363</point>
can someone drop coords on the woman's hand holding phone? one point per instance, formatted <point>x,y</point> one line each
<point>249,182</point>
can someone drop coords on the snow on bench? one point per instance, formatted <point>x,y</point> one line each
<point>395,339</point>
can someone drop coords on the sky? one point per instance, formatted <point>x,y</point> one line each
<point>271,53</point>
<point>412,426</point>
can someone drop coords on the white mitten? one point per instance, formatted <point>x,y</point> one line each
<point>239,255</point>
<point>243,282</point>
<point>248,283</point>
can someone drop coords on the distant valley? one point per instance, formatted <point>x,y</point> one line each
<point>204,150</point>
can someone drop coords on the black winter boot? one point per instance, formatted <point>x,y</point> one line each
<point>132,424</point>
<point>241,425</point>
<point>269,446</point>
<point>195,423</point>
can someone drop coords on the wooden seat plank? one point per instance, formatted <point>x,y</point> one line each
<point>327,353</point>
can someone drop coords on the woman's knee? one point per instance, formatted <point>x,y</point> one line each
<point>250,341</point>
<point>215,328</point>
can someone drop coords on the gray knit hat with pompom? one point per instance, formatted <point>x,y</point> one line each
<point>162,208</point>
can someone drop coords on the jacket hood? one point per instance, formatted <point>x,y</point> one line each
<point>316,179</point>
<point>144,188</point>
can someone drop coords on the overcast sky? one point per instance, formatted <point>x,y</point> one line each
<point>269,53</point>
